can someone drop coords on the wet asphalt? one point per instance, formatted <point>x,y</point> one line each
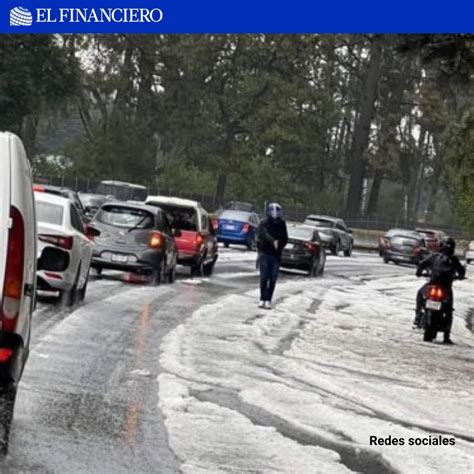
<point>88,400</point>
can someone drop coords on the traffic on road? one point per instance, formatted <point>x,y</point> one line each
<point>133,330</point>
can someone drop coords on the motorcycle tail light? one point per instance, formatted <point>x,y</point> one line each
<point>436,293</point>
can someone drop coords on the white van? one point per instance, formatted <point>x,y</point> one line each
<point>17,271</point>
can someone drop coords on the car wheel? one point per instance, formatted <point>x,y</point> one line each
<point>7,406</point>
<point>97,271</point>
<point>198,269</point>
<point>348,252</point>
<point>468,261</point>
<point>335,248</point>
<point>158,275</point>
<point>172,275</point>
<point>313,269</point>
<point>253,244</point>
<point>81,294</point>
<point>209,268</point>
<point>69,297</point>
<point>386,260</point>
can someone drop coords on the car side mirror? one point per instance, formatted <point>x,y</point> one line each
<point>92,232</point>
<point>177,233</point>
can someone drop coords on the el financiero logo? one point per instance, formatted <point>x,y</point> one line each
<point>24,17</point>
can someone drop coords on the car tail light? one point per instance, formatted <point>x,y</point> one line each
<point>215,223</point>
<point>436,293</point>
<point>199,239</point>
<point>13,286</point>
<point>58,240</point>
<point>417,250</point>
<point>5,354</point>
<point>310,247</point>
<point>246,227</point>
<point>156,241</point>
<point>38,188</point>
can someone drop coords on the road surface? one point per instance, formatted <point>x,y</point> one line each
<point>193,377</point>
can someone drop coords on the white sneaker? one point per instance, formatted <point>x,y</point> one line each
<point>261,304</point>
<point>267,305</point>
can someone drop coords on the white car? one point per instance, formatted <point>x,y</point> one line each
<point>17,272</point>
<point>470,252</point>
<point>64,249</point>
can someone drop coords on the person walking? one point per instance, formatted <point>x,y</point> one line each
<point>272,236</point>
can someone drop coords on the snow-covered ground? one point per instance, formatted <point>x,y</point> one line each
<point>302,388</point>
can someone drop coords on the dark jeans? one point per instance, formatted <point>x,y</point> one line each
<point>269,267</point>
<point>420,302</point>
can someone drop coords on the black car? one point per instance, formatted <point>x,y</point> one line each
<point>384,240</point>
<point>304,251</point>
<point>333,232</point>
<point>92,203</point>
<point>135,238</point>
<point>408,247</point>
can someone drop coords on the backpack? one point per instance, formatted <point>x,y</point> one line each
<point>442,269</point>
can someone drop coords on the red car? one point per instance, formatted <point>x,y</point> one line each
<point>432,238</point>
<point>197,244</point>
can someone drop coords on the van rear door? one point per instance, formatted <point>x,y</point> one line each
<point>5,167</point>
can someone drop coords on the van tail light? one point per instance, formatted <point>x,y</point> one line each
<point>310,247</point>
<point>156,241</point>
<point>199,240</point>
<point>65,243</point>
<point>246,227</point>
<point>13,285</point>
<point>436,293</point>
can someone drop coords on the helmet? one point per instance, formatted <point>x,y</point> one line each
<point>274,211</point>
<point>447,246</point>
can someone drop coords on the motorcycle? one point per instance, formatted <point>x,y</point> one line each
<point>435,315</point>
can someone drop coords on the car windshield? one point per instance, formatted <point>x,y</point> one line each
<point>302,233</point>
<point>49,213</point>
<point>182,218</point>
<point>405,240</point>
<point>319,222</point>
<point>126,217</point>
<point>235,216</point>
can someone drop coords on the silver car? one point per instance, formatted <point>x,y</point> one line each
<point>333,232</point>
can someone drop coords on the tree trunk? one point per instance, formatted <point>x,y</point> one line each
<point>362,130</point>
<point>220,191</point>
<point>374,192</point>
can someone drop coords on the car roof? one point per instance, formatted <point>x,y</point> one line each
<point>173,200</point>
<point>52,198</point>
<point>326,218</point>
<point>411,234</point>
<point>141,207</point>
<point>123,183</point>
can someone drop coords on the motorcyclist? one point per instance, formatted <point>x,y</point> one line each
<point>272,236</point>
<point>443,268</point>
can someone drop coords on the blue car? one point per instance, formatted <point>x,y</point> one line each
<point>238,227</point>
